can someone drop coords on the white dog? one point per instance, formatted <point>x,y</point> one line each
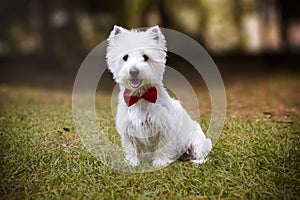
<point>152,125</point>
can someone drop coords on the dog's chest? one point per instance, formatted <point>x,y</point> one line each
<point>146,121</point>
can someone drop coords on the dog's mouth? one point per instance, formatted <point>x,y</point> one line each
<point>135,83</point>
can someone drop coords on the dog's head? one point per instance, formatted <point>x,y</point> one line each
<point>136,58</point>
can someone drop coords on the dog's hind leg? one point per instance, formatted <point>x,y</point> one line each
<point>201,146</point>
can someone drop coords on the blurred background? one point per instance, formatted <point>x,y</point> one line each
<point>43,42</point>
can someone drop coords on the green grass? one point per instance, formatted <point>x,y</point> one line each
<point>42,157</point>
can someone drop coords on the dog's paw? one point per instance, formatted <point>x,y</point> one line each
<point>200,161</point>
<point>132,160</point>
<point>159,162</point>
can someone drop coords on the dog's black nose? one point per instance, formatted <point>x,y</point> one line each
<point>134,72</point>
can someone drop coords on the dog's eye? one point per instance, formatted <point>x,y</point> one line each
<point>125,57</point>
<point>145,57</point>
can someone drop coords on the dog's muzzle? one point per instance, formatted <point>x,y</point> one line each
<point>134,81</point>
<point>134,72</point>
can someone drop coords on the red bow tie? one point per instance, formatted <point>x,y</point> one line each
<point>150,95</point>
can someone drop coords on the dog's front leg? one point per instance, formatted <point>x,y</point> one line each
<point>163,154</point>
<point>129,146</point>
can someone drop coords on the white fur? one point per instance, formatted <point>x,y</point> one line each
<point>159,132</point>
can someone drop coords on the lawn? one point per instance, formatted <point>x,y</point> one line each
<point>256,157</point>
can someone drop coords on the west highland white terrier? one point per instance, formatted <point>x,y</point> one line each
<point>153,126</point>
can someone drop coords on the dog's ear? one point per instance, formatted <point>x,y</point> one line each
<point>117,30</point>
<point>111,41</point>
<point>157,35</point>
